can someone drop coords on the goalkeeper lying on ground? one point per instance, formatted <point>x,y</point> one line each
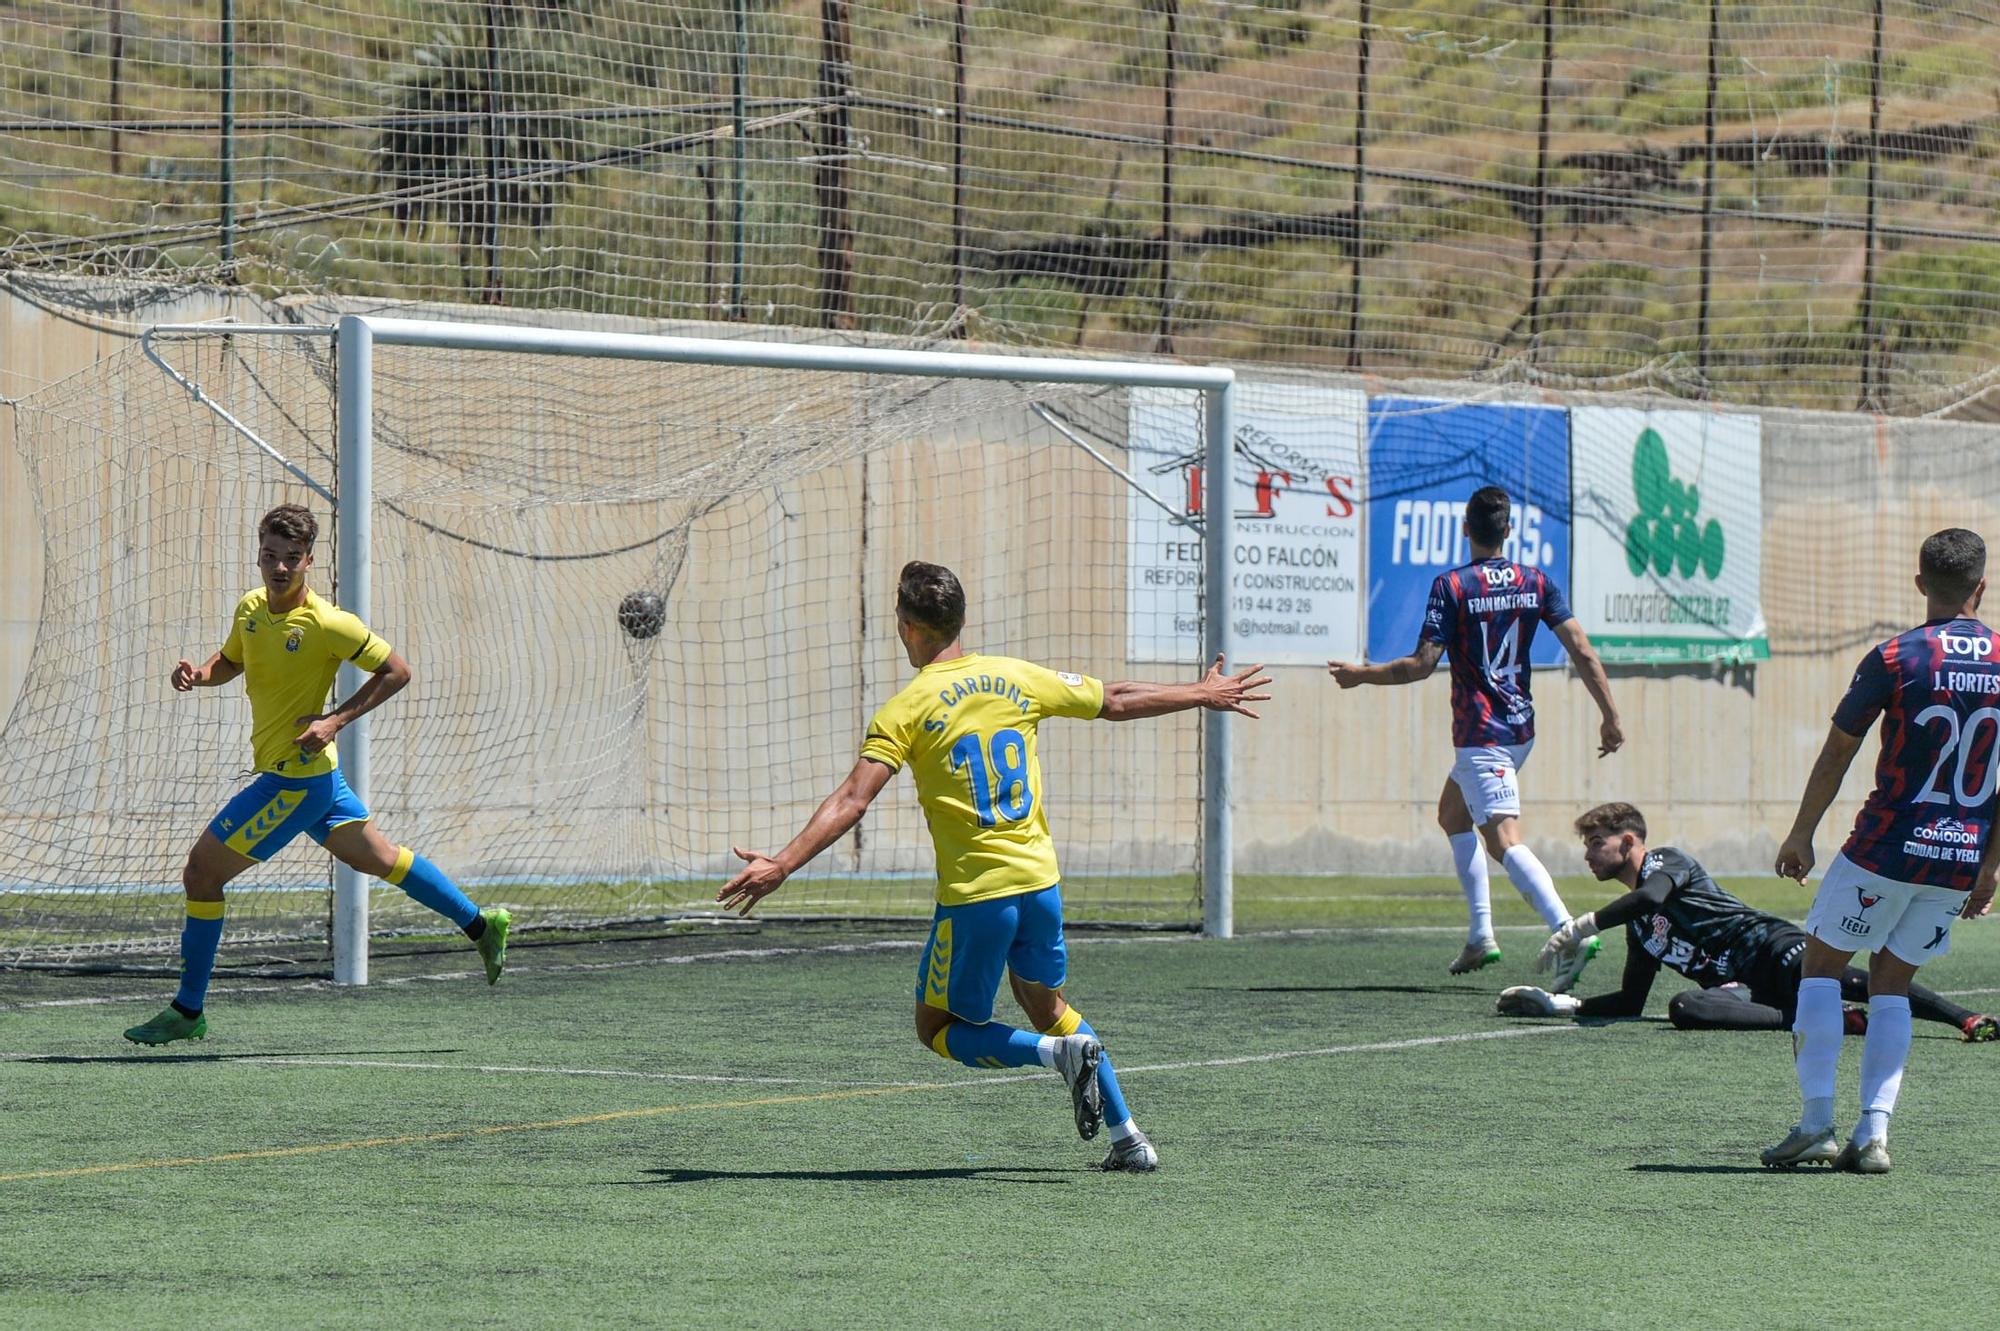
<point>1674,915</point>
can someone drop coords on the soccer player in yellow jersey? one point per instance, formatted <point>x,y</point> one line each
<point>965,726</point>
<point>287,643</point>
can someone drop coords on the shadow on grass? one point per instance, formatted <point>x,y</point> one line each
<point>226,1058</point>
<point>966,1173</point>
<point>1330,989</point>
<point>1721,1169</point>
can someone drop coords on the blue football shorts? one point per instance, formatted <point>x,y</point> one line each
<point>971,946</point>
<point>268,813</point>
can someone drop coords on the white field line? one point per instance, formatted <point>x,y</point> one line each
<point>971,1082</point>
<point>227,989</point>
<point>308,1061</point>
<point>653,1111</point>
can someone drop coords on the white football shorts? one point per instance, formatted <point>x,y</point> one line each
<point>1859,911</point>
<point>1490,779</point>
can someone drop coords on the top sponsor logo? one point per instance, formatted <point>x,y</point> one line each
<point>1975,645</point>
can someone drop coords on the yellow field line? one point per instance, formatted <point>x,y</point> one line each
<point>460,1134</point>
<point>763,1102</point>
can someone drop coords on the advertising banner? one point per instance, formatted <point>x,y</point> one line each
<point>1425,458</point>
<point>1295,588</point>
<point>1669,515</point>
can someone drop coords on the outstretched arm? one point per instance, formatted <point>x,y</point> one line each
<point>385,683</point>
<point>1420,664</point>
<point>1651,893</point>
<point>1795,857</point>
<point>1629,999</point>
<point>219,670</point>
<point>1610,735</point>
<point>1218,691</point>
<point>834,819</point>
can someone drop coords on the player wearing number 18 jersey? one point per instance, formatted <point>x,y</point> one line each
<point>965,727</point>
<point>1485,614</point>
<point>1921,853</point>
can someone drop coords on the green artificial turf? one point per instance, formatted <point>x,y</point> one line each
<point>739,1129</point>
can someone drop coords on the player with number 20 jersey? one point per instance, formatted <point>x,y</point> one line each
<point>1920,852</point>
<point>1931,812</point>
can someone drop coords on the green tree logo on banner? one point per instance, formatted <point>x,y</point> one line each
<point>1665,534</point>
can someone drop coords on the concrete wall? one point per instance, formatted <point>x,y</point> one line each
<point>1328,782</point>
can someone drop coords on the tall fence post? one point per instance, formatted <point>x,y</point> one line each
<point>715,290</point>
<point>958,310</point>
<point>116,23</point>
<point>491,294</point>
<point>1164,335</point>
<point>1541,209</point>
<point>1358,226</point>
<point>1701,334</point>
<point>740,114</point>
<point>228,147</point>
<point>1874,361</point>
<point>830,183</point>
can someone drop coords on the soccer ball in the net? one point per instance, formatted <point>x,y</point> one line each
<point>641,614</point>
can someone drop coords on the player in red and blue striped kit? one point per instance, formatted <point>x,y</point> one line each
<point>1485,615</point>
<point>1921,854</point>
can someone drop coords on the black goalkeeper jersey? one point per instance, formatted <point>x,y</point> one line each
<point>1699,929</point>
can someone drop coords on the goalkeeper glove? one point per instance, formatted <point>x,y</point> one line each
<point>1566,939</point>
<point>1524,1000</point>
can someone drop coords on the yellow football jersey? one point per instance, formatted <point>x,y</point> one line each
<point>288,667</point>
<point>966,727</point>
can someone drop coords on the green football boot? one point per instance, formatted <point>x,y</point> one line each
<point>169,1026</point>
<point>1475,956</point>
<point>1570,968</point>
<point>492,944</point>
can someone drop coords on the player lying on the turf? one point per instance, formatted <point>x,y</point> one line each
<point>1746,961</point>
<point>966,726</point>
<point>1921,855</point>
<point>287,644</point>
<point>1484,614</point>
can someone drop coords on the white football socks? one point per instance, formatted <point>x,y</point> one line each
<point>1532,881</point>
<point>1816,1032</point>
<point>1882,1058</point>
<point>1468,857</point>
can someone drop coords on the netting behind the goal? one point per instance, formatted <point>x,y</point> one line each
<point>544,753</point>
<point>1781,204</point>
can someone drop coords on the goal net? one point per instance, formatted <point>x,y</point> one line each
<point>649,608</point>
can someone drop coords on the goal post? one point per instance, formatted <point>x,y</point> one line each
<point>494,490</point>
<point>358,336</point>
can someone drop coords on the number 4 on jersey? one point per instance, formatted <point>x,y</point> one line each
<point>1502,651</point>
